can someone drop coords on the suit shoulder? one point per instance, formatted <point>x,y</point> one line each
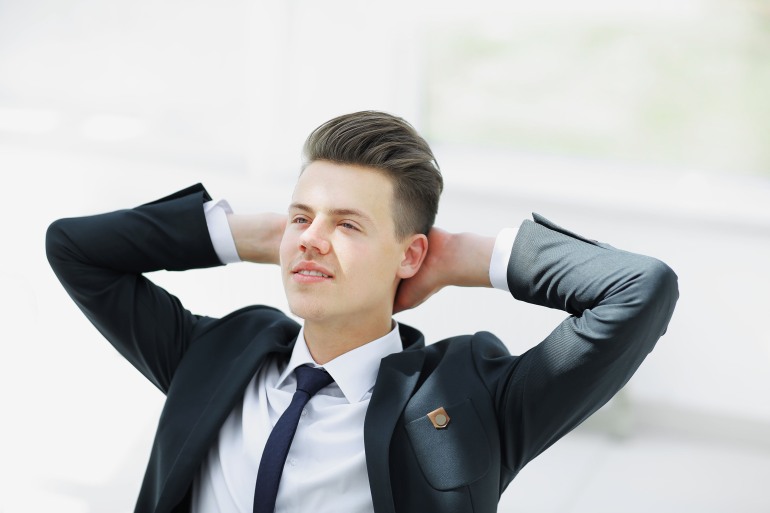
<point>488,346</point>
<point>481,343</point>
<point>253,318</point>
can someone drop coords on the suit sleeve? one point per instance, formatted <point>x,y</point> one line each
<point>101,260</point>
<point>619,303</point>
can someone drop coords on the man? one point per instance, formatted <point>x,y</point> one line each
<point>403,427</point>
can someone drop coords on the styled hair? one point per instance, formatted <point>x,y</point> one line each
<point>391,145</point>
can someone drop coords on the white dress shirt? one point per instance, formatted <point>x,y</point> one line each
<point>325,469</point>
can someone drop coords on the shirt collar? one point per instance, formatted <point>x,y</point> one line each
<point>355,372</point>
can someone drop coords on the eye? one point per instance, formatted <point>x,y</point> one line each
<point>349,226</point>
<point>300,220</point>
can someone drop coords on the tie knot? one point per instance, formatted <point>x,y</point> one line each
<point>311,380</point>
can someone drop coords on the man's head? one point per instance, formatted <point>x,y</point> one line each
<point>391,145</point>
<point>360,212</point>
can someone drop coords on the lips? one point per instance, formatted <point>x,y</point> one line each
<point>313,273</point>
<point>311,270</point>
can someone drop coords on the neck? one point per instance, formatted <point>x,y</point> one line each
<point>328,340</point>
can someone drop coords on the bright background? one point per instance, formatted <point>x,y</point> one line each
<point>644,124</point>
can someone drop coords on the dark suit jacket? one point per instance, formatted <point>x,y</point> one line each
<point>504,409</point>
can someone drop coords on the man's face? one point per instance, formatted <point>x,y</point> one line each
<point>340,258</point>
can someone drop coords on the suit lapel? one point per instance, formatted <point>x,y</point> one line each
<point>395,383</point>
<point>234,378</point>
<point>396,380</point>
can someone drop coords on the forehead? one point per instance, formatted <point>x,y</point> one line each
<point>326,186</point>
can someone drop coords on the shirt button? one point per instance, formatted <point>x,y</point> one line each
<point>304,412</point>
<point>293,462</point>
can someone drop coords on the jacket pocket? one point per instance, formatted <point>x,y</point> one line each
<point>454,456</point>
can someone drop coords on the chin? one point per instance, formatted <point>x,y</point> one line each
<point>307,310</point>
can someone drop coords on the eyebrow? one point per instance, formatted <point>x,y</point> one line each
<point>334,211</point>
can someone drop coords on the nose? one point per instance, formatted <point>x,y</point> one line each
<point>315,238</point>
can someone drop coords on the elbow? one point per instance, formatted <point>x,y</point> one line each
<point>664,280</point>
<point>56,240</point>
<point>662,285</point>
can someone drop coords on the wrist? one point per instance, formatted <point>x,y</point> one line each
<point>470,254</point>
<point>258,237</point>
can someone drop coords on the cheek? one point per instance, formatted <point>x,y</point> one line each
<point>380,264</point>
<point>285,249</point>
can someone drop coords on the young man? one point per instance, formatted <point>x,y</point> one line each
<point>403,427</point>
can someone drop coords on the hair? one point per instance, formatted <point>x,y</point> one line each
<point>391,145</point>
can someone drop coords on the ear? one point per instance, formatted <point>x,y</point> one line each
<point>414,254</point>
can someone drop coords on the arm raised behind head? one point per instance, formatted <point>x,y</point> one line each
<point>101,261</point>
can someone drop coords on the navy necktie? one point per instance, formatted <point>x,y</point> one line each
<point>309,382</point>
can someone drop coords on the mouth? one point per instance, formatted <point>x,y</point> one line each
<point>310,272</point>
<point>307,272</point>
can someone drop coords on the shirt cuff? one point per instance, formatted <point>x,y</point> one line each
<point>501,255</point>
<point>219,230</point>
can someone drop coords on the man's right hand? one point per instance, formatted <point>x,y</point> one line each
<point>258,236</point>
